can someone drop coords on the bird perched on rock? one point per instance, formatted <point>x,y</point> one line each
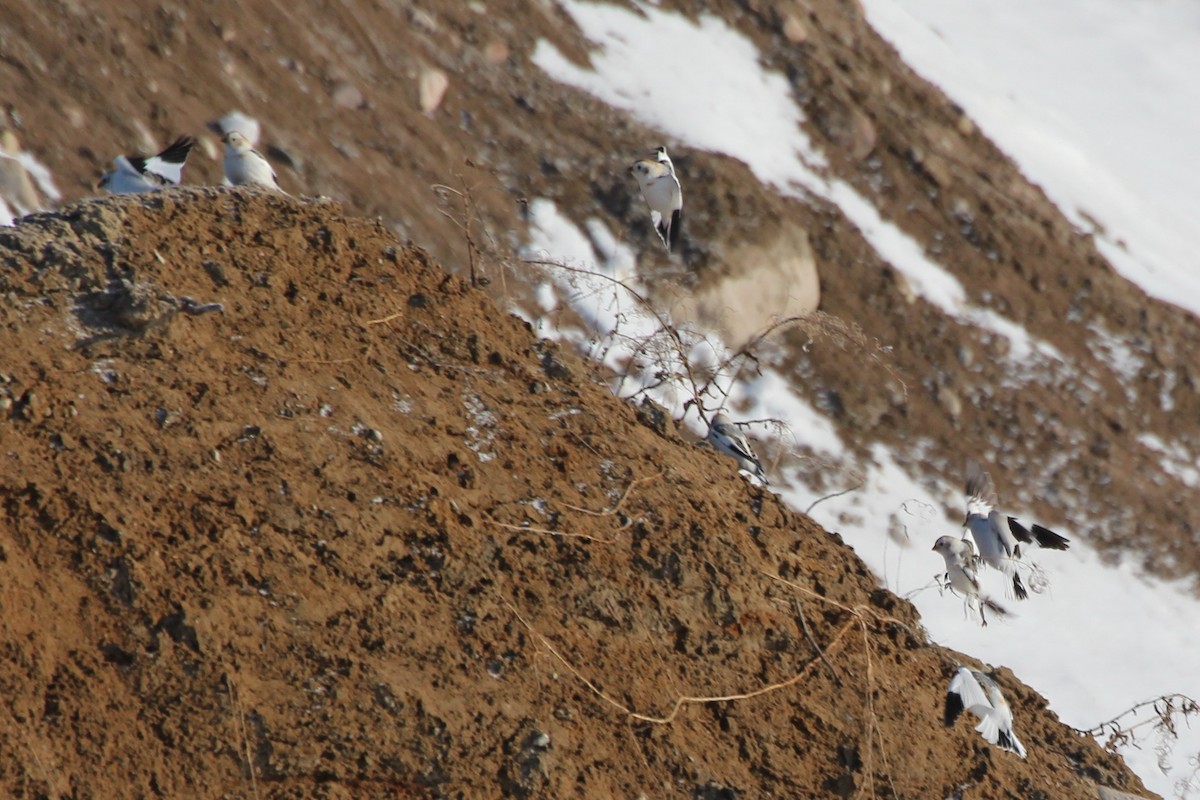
<point>245,166</point>
<point>978,693</point>
<point>997,537</point>
<point>726,438</point>
<point>961,567</point>
<point>132,174</point>
<point>662,193</point>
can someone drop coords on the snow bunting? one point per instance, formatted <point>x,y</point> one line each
<point>999,538</point>
<point>661,190</point>
<point>961,565</point>
<point>148,173</point>
<point>978,693</point>
<point>726,438</point>
<point>245,166</point>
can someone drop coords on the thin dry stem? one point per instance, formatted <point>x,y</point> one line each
<point>242,729</point>
<point>383,320</point>
<point>853,488</point>
<point>680,702</point>
<point>620,500</point>
<point>548,532</point>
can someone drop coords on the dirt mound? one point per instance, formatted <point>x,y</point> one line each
<point>291,512</point>
<point>339,91</point>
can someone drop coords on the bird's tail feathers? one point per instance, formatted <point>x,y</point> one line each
<point>988,728</point>
<point>675,229</point>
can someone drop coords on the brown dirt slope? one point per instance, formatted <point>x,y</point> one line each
<point>337,88</point>
<point>355,532</point>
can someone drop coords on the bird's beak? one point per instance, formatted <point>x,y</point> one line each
<point>934,547</point>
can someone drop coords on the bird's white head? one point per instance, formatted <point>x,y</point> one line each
<point>646,171</point>
<point>721,421</point>
<point>948,545</point>
<point>236,141</point>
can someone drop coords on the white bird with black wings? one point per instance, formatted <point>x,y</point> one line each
<point>132,174</point>
<point>999,538</point>
<point>976,692</point>
<point>725,437</point>
<point>663,194</point>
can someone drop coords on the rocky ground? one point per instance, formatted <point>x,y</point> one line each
<point>352,110</point>
<point>291,512</point>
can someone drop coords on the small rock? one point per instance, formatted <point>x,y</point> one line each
<point>32,405</point>
<point>863,135</point>
<point>424,20</point>
<point>950,402</point>
<point>496,52</point>
<point>216,272</point>
<point>794,29</point>
<point>904,288</point>
<point>432,89</point>
<point>655,417</point>
<point>347,95</point>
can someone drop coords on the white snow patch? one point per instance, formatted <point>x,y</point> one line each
<point>1176,460</point>
<point>1094,99</point>
<point>758,122</point>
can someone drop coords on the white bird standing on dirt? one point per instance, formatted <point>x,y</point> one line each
<point>133,174</point>
<point>245,166</point>
<point>998,537</point>
<point>726,438</point>
<point>960,576</point>
<point>978,693</point>
<point>663,194</point>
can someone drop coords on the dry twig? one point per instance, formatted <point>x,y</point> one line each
<point>616,506</point>
<point>680,702</point>
<point>548,532</point>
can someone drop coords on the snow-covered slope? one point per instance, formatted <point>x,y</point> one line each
<point>1096,638</point>
<point>1096,101</point>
